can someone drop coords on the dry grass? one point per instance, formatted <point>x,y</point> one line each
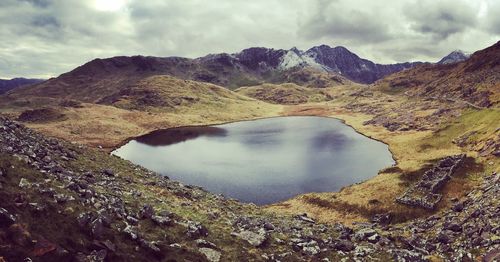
<point>288,93</point>
<point>108,126</point>
<point>413,151</point>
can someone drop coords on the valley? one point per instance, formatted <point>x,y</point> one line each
<point>424,114</point>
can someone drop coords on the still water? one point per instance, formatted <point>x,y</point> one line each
<point>262,161</point>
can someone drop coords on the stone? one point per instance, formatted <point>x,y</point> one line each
<point>444,237</point>
<point>373,238</point>
<point>147,211</point>
<point>84,219</point>
<point>205,243</point>
<point>94,256</point>
<point>196,230</point>
<point>458,207</point>
<point>211,254</point>
<point>254,239</point>
<point>23,183</point>
<point>150,246</point>
<point>407,256</point>
<point>455,227</point>
<point>132,220</point>
<point>162,221</point>
<point>268,226</point>
<point>131,232</point>
<point>97,228</point>
<point>6,218</point>
<point>344,245</point>
<point>108,172</point>
<point>311,250</point>
<point>424,193</point>
<point>364,233</point>
<point>305,218</point>
<point>382,219</point>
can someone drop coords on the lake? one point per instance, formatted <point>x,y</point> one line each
<point>262,161</point>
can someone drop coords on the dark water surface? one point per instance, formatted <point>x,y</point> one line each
<point>262,161</point>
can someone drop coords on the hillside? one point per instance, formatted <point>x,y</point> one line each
<point>108,116</point>
<point>475,80</point>
<point>9,84</point>
<point>286,94</point>
<point>109,209</point>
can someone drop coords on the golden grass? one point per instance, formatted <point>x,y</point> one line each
<point>204,104</point>
<point>108,126</point>
<point>412,150</point>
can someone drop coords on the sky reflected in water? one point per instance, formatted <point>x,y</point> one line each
<point>262,161</point>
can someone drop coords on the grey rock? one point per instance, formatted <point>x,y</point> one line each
<point>23,183</point>
<point>458,207</point>
<point>147,211</point>
<point>305,218</point>
<point>162,221</point>
<point>108,172</point>
<point>364,233</point>
<point>344,245</point>
<point>211,254</point>
<point>6,218</point>
<point>196,230</point>
<point>205,243</point>
<point>131,232</point>
<point>254,239</point>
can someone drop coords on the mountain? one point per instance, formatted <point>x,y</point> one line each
<point>340,60</point>
<point>319,66</point>
<point>475,80</point>
<point>454,57</point>
<point>9,84</point>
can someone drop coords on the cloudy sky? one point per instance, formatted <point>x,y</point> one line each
<point>44,38</point>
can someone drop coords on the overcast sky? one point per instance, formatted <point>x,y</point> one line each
<point>44,38</point>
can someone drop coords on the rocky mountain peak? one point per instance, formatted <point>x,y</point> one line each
<point>454,57</point>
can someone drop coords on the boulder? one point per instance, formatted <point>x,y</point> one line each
<point>6,218</point>
<point>254,239</point>
<point>344,245</point>
<point>364,233</point>
<point>211,254</point>
<point>147,211</point>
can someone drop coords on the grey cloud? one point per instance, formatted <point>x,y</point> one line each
<point>42,38</point>
<point>441,19</point>
<point>332,19</point>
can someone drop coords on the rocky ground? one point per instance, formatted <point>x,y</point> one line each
<point>63,202</point>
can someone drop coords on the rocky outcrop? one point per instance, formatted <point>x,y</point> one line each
<point>425,192</point>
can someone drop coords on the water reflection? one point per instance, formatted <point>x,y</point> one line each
<point>262,161</point>
<point>176,135</point>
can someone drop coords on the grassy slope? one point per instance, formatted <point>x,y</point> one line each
<point>413,150</point>
<point>162,102</point>
<point>131,114</point>
<point>285,93</point>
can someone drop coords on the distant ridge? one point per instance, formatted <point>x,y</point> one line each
<point>9,84</point>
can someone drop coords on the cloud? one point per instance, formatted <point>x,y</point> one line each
<point>440,19</point>
<point>43,38</point>
<point>340,20</point>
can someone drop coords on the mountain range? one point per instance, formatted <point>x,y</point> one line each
<point>475,80</point>
<point>9,84</point>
